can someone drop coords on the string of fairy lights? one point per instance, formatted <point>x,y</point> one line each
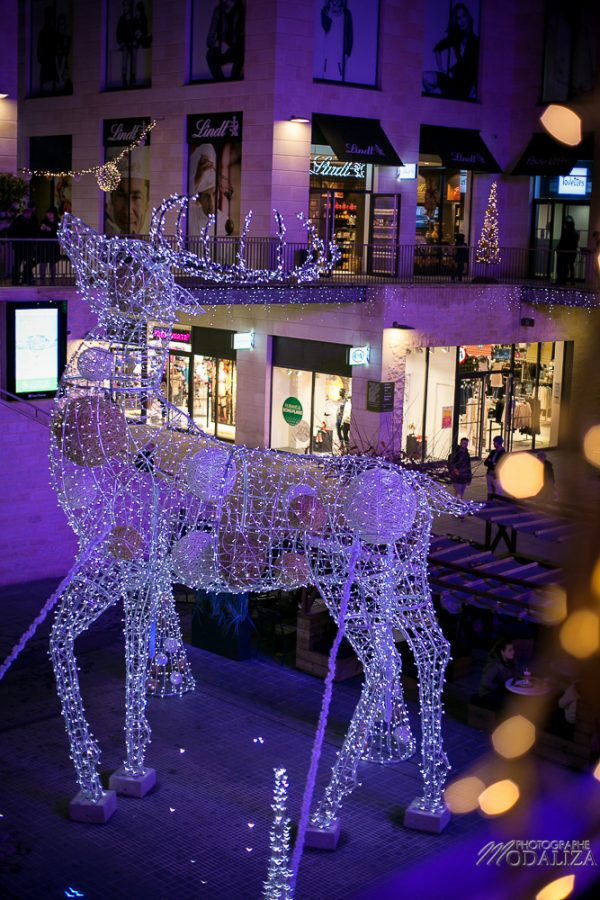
<point>107,174</point>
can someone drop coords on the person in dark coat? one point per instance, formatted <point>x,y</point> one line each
<point>566,252</point>
<point>490,463</point>
<point>461,257</point>
<point>24,226</point>
<point>459,466</point>
<point>548,491</point>
<point>499,667</point>
<point>49,250</point>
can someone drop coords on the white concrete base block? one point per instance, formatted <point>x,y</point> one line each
<point>132,785</point>
<point>420,820</point>
<point>81,809</point>
<point>323,838</point>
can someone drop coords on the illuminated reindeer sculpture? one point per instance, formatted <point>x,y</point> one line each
<point>154,504</point>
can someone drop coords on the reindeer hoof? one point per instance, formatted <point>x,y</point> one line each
<point>423,820</point>
<point>81,809</point>
<point>132,785</point>
<point>323,838</point>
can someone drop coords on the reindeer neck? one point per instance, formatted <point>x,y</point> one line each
<point>117,354</point>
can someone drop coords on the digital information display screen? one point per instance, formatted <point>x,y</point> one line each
<point>36,350</point>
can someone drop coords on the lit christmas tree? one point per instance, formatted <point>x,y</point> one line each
<point>488,248</point>
<point>278,885</point>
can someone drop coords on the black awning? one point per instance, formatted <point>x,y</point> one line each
<point>459,148</point>
<point>355,140</point>
<point>545,156</point>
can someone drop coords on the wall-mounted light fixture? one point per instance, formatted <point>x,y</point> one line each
<point>359,356</point>
<point>243,340</point>
<point>300,120</point>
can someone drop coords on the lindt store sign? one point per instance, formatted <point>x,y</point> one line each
<point>330,167</point>
<point>214,127</point>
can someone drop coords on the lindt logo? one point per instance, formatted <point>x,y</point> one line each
<point>457,156</point>
<point>371,150</point>
<point>119,133</point>
<point>205,129</point>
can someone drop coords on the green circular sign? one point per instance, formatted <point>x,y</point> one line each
<point>292,410</point>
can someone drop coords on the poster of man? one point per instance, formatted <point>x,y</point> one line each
<point>129,44</point>
<point>214,172</point>
<point>51,48</point>
<point>218,40</point>
<point>346,34</point>
<point>127,208</point>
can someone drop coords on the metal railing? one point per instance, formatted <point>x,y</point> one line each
<point>37,262</point>
<point>25,408</point>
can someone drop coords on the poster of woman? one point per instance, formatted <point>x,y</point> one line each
<point>214,172</point>
<point>129,44</point>
<point>51,48</point>
<point>451,67</point>
<point>218,40</point>
<point>346,35</point>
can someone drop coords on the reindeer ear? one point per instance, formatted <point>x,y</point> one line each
<point>83,245</point>
<point>184,300</point>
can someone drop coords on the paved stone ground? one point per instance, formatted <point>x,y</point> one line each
<point>190,837</point>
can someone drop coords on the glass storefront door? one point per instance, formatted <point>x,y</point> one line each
<point>548,221</point>
<point>304,410</point>
<point>214,391</point>
<point>340,216</point>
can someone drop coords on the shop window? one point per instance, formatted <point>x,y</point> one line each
<point>305,410</point>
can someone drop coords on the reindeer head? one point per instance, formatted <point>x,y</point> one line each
<point>123,279</point>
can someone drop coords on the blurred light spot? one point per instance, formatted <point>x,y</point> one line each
<point>595,582</point>
<point>553,604</point>
<point>579,635</point>
<point>514,737</point>
<point>172,809</point>
<point>562,124</point>
<point>558,889</point>
<point>521,474</point>
<point>591,445</point>
<point>181,750</point>
<point>249,849</point>
<point>499,797</point>
<point>250,824</point>
<point>597,771</point>
<point>462,795</point>
<point>259,740</point>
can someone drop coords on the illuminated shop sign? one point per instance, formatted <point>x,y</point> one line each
<point>243,340</point>
<point>574,183</point>
<point>359,356</point>
<point>159,333</point>
<point>330,167</point>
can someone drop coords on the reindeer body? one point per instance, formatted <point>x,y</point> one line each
<point>153,504</point>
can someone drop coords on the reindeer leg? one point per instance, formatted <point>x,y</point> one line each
<point>344,773</point>
<point>390,737</point>
<point>432,652</point>
<point>141,604</point>
<point>85,597</point>
<point>168,669</point>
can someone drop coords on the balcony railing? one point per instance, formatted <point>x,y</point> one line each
<point>36,262</point>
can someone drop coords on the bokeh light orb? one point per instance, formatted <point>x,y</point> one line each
<point>558,889</point>
<point>462,795</point>
<point>562,123</point>
<point>580,634</point>
<point>521,475</point>
<point>499,797</point>
<point>513,737</point>
<point>591,445</point>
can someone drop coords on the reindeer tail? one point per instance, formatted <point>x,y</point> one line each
<point>442,502</point>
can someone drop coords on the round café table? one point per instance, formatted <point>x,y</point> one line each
<point>527,687</point>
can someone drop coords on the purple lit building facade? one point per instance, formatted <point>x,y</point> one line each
<point>402,137</point>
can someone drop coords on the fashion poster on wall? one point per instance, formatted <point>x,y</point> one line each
<point>127,208</point>
<point>218,40</point>
<point>51,48</point>
<point>129,44</point>
<point>214,171</point>
<point>346,36</point>
<point>451,62</point>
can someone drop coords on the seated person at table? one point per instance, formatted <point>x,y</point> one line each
<point>500,666</point>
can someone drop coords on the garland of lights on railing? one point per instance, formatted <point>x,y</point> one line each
<point>107,175</point>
